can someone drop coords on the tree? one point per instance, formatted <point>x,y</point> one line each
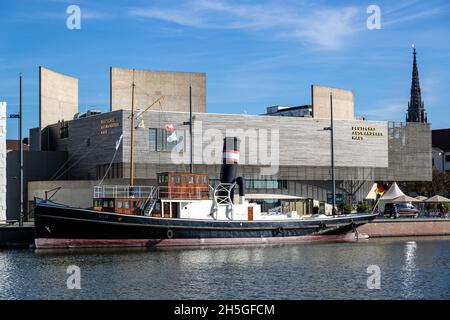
<point>440,184</point>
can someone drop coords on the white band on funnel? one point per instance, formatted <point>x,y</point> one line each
<point>231,155</point>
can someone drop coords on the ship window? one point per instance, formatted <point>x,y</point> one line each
<point>119,204</point>
<point>178,179</point>
<point>127,204</point>
<point>191,179</point>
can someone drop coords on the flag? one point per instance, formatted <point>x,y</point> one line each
<point>169,127</point>
<point>172,138</point>
<point>141,124</point>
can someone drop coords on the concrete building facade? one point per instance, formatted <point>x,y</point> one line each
<point>149,85</point>
<point>343,103</point>
<point>37,166</point>
<point>58,97</point>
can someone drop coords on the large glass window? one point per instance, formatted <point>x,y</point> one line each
<point>266,184</point>
<point>161,140</point>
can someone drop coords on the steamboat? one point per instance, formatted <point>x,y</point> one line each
<point>182,210</point>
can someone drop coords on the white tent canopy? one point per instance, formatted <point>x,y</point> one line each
<point>392,193</point>
<point>372,195</point>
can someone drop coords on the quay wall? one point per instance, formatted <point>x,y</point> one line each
<point>406,228</point>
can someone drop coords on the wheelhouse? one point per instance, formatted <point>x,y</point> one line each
<point>165,200</point>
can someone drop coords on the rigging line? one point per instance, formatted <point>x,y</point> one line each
<point>62,166</point>
<point>110,164</point>
<point>78,160</point>
<point>161,134</point>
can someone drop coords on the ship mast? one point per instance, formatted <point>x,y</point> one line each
<point>191,145</point>
<point>333,178</point>
<point>132,135</point>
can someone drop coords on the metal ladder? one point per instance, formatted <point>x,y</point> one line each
<point>150,203</point>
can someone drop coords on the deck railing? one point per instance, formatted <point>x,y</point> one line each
<point>147,192</point>
<point>122,191</point>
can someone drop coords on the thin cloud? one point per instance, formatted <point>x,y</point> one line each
<point>413,10</point>
<point>392,110</point>
<point>324,27</point>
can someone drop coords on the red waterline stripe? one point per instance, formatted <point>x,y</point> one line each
<point>66,243</point>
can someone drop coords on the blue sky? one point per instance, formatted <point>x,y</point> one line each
<point>255,53</point>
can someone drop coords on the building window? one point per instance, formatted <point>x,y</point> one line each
<point>256,184</point>
<point>161,140</point>
<point>432,160</point>
<point>266,184</point>
<point>152,139</point>
<point>447,158</point>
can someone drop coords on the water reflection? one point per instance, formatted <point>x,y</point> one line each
<point>411,269</point>
<point>408,273</point>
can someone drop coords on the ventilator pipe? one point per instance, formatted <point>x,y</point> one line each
<point>240,181</point>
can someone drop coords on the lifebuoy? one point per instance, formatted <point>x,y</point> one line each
<point>170,234</point>
<point>278,231</point>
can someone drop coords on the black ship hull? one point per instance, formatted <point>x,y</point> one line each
<point>59,226</point>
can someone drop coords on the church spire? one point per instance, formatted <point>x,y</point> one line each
<point>416,108</point>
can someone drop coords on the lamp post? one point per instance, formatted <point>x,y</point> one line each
<point>19,116</point>
<point>333,179</point>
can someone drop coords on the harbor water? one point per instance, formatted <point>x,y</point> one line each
<point>409,268</point>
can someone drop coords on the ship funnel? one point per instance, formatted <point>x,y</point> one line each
<point>230,160</point>
<point>230,163</point>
